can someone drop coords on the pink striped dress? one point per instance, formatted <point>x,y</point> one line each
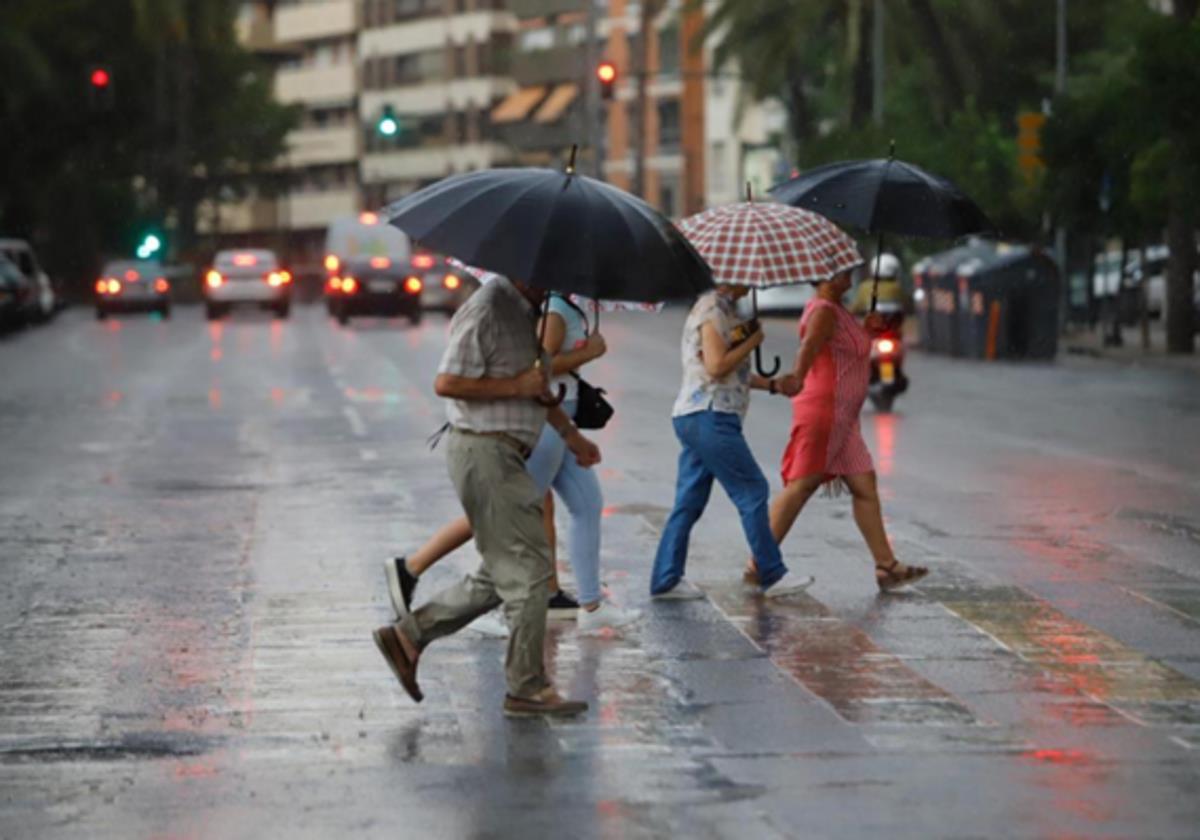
<point>826,437</point>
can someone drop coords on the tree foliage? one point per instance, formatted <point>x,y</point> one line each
<point>191,113</point>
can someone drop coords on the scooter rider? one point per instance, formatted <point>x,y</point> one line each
<point>887,267</point>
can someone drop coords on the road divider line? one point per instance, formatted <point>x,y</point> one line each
<point>355,420</point>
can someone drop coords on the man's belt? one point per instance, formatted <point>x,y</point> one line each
<point>505,437</point>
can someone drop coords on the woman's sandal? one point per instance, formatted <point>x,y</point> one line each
<point>888,578</point>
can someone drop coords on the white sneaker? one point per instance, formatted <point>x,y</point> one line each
<point>685,590</point>
<point>490,624</point>
<point>789,586</point>
<point>607,616</point>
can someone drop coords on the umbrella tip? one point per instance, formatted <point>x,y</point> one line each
<point>571,162</point>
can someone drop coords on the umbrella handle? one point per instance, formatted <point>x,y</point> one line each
<point>758,364</point>
<point>554,400</point>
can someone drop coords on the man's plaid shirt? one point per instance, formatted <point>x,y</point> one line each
<point>492,336</point>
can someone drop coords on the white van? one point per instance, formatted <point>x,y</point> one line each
<point>363,237</point>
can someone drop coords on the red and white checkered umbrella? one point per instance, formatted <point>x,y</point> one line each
<point>762,244</point>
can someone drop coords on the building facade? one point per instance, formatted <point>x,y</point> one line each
<point>438,66</point>
<point>474,84</point>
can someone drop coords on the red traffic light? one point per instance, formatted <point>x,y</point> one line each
<point>101,77</point>
<point>606,72</point>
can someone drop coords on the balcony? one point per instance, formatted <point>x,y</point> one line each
<point>434,32</point>
<point>430,162</point>
<point>312,21</point>
<point>542,8</point>
<point>310,146</point>
<point>317,209</point>
<point>558,64</point>
<point>435,97</point>
<point>254,215</point>
<point>317,84</point>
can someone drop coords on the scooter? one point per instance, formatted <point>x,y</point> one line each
<point>887,361</point>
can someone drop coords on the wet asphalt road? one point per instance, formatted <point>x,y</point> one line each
<point>192,519</point>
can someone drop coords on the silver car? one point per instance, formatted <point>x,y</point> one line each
<point>247,277</point>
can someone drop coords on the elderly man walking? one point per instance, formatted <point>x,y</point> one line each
<point>496,384</point>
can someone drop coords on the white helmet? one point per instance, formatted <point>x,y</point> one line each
<point>886,265</point>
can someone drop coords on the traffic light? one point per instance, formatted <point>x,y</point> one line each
<point>100,87</point>
<point>606,72</point>
<point>388,125</point>
<point>150,245</point>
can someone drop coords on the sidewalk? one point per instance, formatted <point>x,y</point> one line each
<point>1081,341</point>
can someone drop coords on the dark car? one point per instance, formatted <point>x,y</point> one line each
<point>376,286</point>
<point>17,298</point>
<point>133,286</point>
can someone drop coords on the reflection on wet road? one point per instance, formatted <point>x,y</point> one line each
<point>193,517</point>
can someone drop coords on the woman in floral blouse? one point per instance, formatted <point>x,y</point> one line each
<point>708,416</point>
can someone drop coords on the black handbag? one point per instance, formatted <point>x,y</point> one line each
<point>592,411</point>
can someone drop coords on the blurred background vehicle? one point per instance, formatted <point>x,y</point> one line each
<point>375,286</point>
<point>445,287</point>
<point>132,286</point>
<point>46,300</point>
<point>356,239</point>
<point>16,295</point>
<point>247,277</point>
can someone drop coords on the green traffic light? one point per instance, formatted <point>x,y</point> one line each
<point>149,246</point>
<point>388,125</point>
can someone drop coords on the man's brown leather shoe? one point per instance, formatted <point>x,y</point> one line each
<point>546,702</point>
<point>387,639</point>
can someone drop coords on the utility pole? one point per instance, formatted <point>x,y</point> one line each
<point>1060,87</point>
<point>877,63</point>
<point>646,31</point>
<point>593,125</point>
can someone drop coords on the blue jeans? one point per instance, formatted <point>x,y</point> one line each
<point>552,465</point>
<point>713,447</point>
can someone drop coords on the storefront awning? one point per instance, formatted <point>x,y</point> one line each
<point>518,104</point>
<point>556,103</point>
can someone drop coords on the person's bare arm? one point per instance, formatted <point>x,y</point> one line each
<point>556,333</point>
<point>527,385</point>
<point>585,451</point>
<point>817,333</point>
<point>719,359</point>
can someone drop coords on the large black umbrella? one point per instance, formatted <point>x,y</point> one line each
<point>557,230</point>
<point>885,195</point>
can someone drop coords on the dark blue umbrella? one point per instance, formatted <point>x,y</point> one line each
<point>557,230</point>
<point>885,195</point>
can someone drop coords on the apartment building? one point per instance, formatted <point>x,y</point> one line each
<point>698,137</point>
<point>439,66</point>
<point>322,76</point>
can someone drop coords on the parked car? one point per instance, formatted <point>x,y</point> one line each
<point>376,286</point>
<point>132,286</point>
<point>247,277</point>
<point>16,295</point>
<point>445,288</point>
<point>46,300</point>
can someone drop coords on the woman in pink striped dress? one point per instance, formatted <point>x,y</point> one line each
<point>826,445</point>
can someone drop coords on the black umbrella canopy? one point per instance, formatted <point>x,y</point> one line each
<point>884,195</point>
<point>556,230</point>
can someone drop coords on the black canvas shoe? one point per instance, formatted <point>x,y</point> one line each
<point>401,585</point>
<point>562,607</point>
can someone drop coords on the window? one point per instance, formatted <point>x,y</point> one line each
<point>536,39</point>
<point>668,50</point>
<point>669,130</point>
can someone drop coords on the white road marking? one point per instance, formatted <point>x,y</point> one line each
<point>355,419</point>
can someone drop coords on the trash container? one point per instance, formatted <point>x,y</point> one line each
<point>939,299</point>
<point>1009,301</point>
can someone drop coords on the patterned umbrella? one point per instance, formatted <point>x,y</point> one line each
<point>763,244</point>
<point>759,245</point>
